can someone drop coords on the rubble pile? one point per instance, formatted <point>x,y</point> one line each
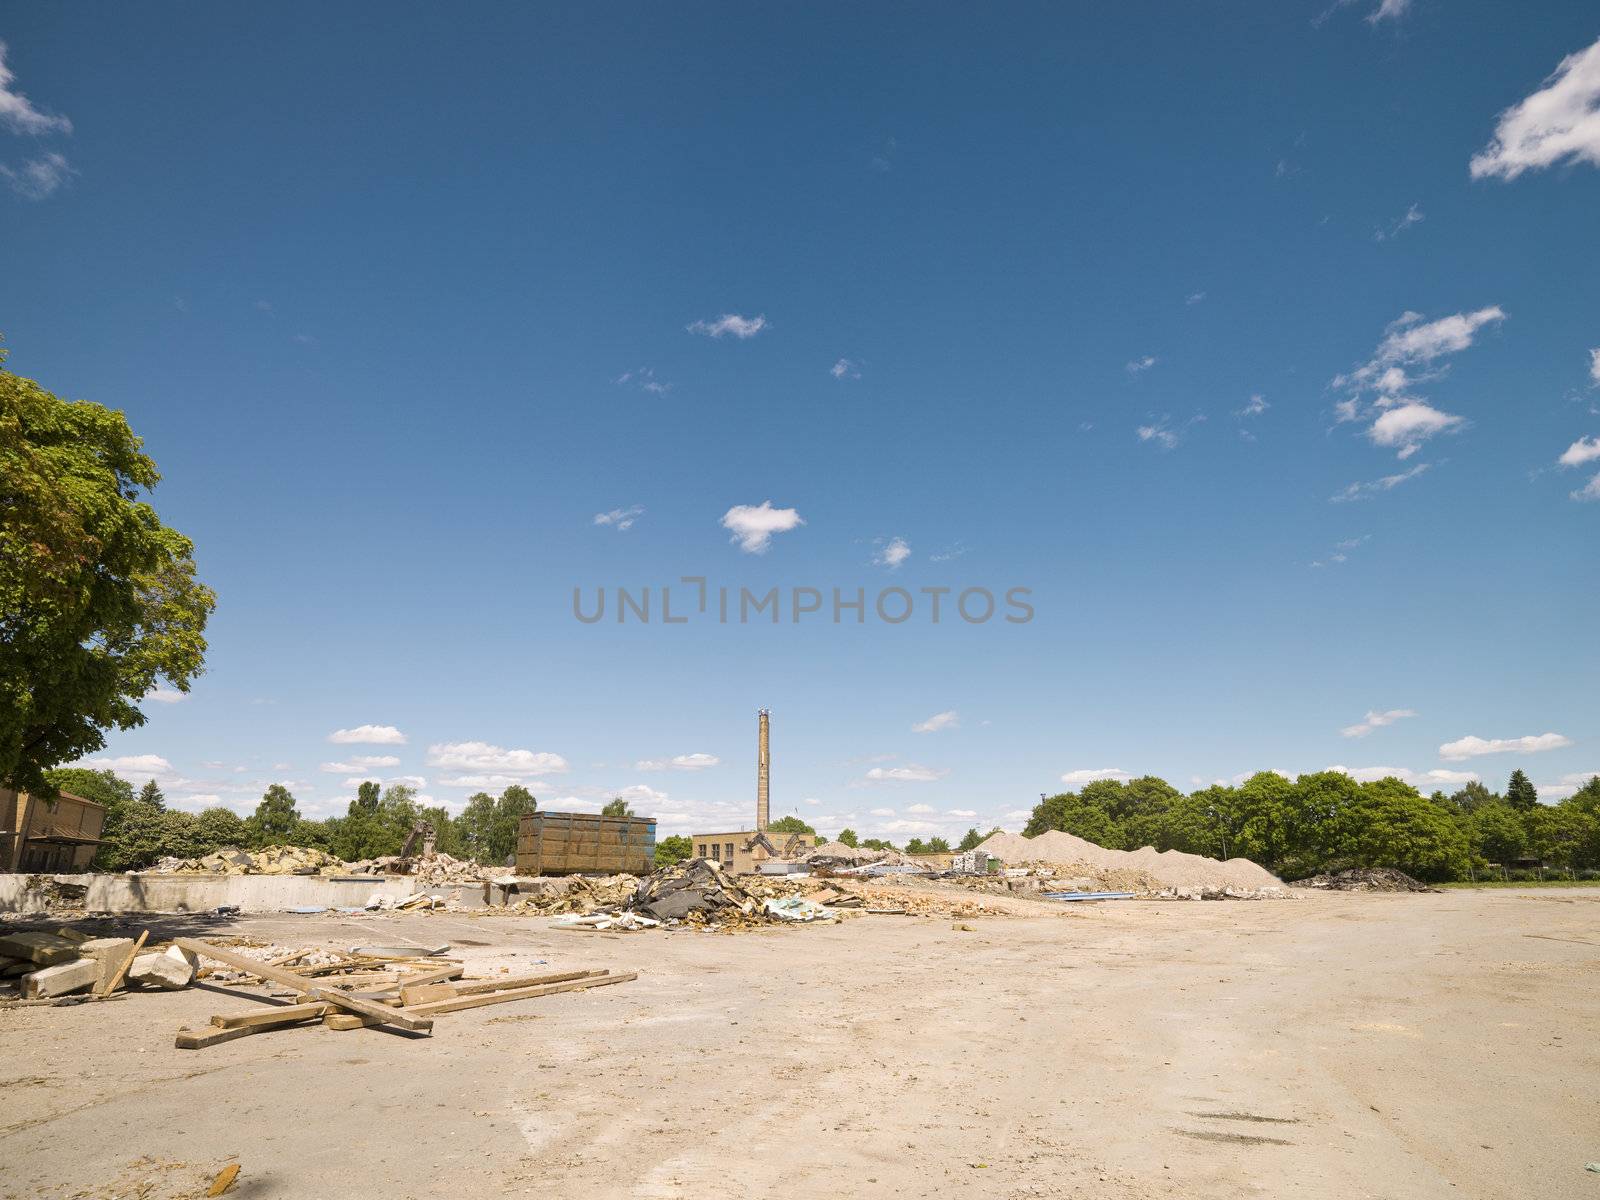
<point>437,871</point>
<point>1168,874</point>
<point>696,886</point>
<point>270,860</point>
<point>1366,879</point>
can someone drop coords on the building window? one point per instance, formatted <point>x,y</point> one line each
<point>716,851</point>
<point>702,853</point>
<point>729,854</point>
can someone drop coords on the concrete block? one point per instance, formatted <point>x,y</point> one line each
<point>171,970</point>
<point>45,949</point>
<point>60,979</point>
<point>109,952</point>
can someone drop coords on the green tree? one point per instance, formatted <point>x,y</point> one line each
<point>937,845</point>
<point>98,599</point>
<point>877,844</point>
<point>970,840</point>
<point>1520,792</point>
<point>150,794</point>
<point>1265,819</point>
<point>368,795</point>
<point>103,787</point>
<point>674,849</point>
<point>849,838</point>
<point>916,846</point>
<point>616,807</point>
<point>1497,833</point>
<point>1390,825</point>
<point>790,824</point>
<point>1472,796</point>
<point>219,828</point>
<point>275,817</point>
<point>1084,815</point>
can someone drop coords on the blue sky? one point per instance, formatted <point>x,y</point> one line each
<point>1250,339</point>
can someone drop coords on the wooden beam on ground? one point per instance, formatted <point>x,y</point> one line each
<point>288,979</point>
<point>343,1021</point>
<point>115,981</point>
<point>190,1039</point>
<point>372,1009</point>
<point>414,992</point>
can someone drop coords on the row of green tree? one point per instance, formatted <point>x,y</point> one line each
<point>1329,821</point>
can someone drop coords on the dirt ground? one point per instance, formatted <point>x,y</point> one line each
<point>1332,1046</point>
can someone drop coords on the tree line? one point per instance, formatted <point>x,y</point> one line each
<point>1328,821</point>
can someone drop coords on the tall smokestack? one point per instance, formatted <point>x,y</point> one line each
<point>763,773</point>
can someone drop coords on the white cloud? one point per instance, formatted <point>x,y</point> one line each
<point>1474,747</point>
<point>1388,10</point>
<point>950,552</point>
<point>166,695</point>
<point>411,781</point>
<point>1376,720</point>
<point>845,369</point>
<point>1194,298</point>
<point>963,813</point>
<point>18,112</point>
<point>753,525</point>
<point>1581,451</point>
<point>645,379</point>
<point>1140,365</point>
<point>361,762</point>
<point>39,178</point>
<point>921,809</point>
<point>1408,426</point>
<point>1590,490</point>
<point>1407,341</point>
<point>1255,406</point>
<point>1566,785</point>
<point>621,519</point>
<point>680,762</point>
<point>739,327</point>
<point>1362,491</point>
<point>481,756</point>
<point>368,735</point>
<point>1161,433</point>
<point>1594,365</point>
<point>944,720</point>
<point>488,782</point>
<point>1413,216</point>
<point>139,767</point>
<point>1559,122</point>
<point>892,553</point>
<point>1081,777</point>
<point>881,812</point>
<point>911,773</point>
<point>1423,781</point>
<point>640,794</point>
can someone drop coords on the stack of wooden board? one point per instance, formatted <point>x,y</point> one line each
<point>410,1002</point>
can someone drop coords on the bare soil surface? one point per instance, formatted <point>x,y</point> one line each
<point>1330,1046</point>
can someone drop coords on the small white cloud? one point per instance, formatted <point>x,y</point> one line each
<point>39,178</point>
<point>1475,747</point>
<point>18,112</point>
<point>137,766</point>
<point>845,369</point>
<point>680,762</point>
<point>892,553</point>
<point>166,695</point>
<point>620,519</point>
<point>1585,449</point>
<point>963,813</point>
<point>1079,778</point>
<point>644,378</point>
<point>950,552</point>
<point>1559,122</point>
<point>368,735</point>
<point>1388,10</point>
<point>910,773</point>
<point>1590,490</point>
<point>739,327</point>
<point>1161,433</point>
<point>1254,407</point>
<point>753,525</point>
<point>1376,720</point>
<point>921,809</point>
<point>1594,365</point>
<point>361,762</point>
<point>1405,428</point>
<point>881,812</point>
<point>944,720</point>
<point>1194,298</point>
<point>1363,491</point>
<point>481,756</point>
<point>1413,216</point>
<point>1140,365</point>
<point>1566,785</point>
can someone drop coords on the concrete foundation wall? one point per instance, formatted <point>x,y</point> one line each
<point>202,893</point>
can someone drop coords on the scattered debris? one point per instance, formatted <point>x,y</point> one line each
<point>1366,879</point>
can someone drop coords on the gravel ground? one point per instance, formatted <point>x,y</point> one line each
<point>1334,1046</point>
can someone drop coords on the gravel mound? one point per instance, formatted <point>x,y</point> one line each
<point>1163,868</point>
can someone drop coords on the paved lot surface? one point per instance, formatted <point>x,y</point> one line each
<point>1334,1046</point>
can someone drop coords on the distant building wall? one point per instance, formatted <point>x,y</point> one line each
<point>41,835</point>
<point>744,850</point>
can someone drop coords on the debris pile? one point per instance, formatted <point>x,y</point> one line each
<point>1170,874</point>
<point>1366,879</point>
<point>270,860</point>
<point>696,886</point>
<point>439,870</point>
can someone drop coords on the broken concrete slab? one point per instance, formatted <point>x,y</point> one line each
<point>109,952</point>
<point>171,970</point>
<point>60,979</point>
<point>43,949</point>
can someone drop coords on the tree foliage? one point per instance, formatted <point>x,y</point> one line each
<point>674,849</point>
<point>790,824</point>
<point>98,599</point>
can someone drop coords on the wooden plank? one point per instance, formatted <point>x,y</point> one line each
<point>115,981</point>
<point>288,979</point>
<point>420,993</point>
<point>189,1039</point>
<point>371,1008</point>
<point>500,985</point>
<point>342,1021</point>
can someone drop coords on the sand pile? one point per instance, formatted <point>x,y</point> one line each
<point>1165,869</point>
